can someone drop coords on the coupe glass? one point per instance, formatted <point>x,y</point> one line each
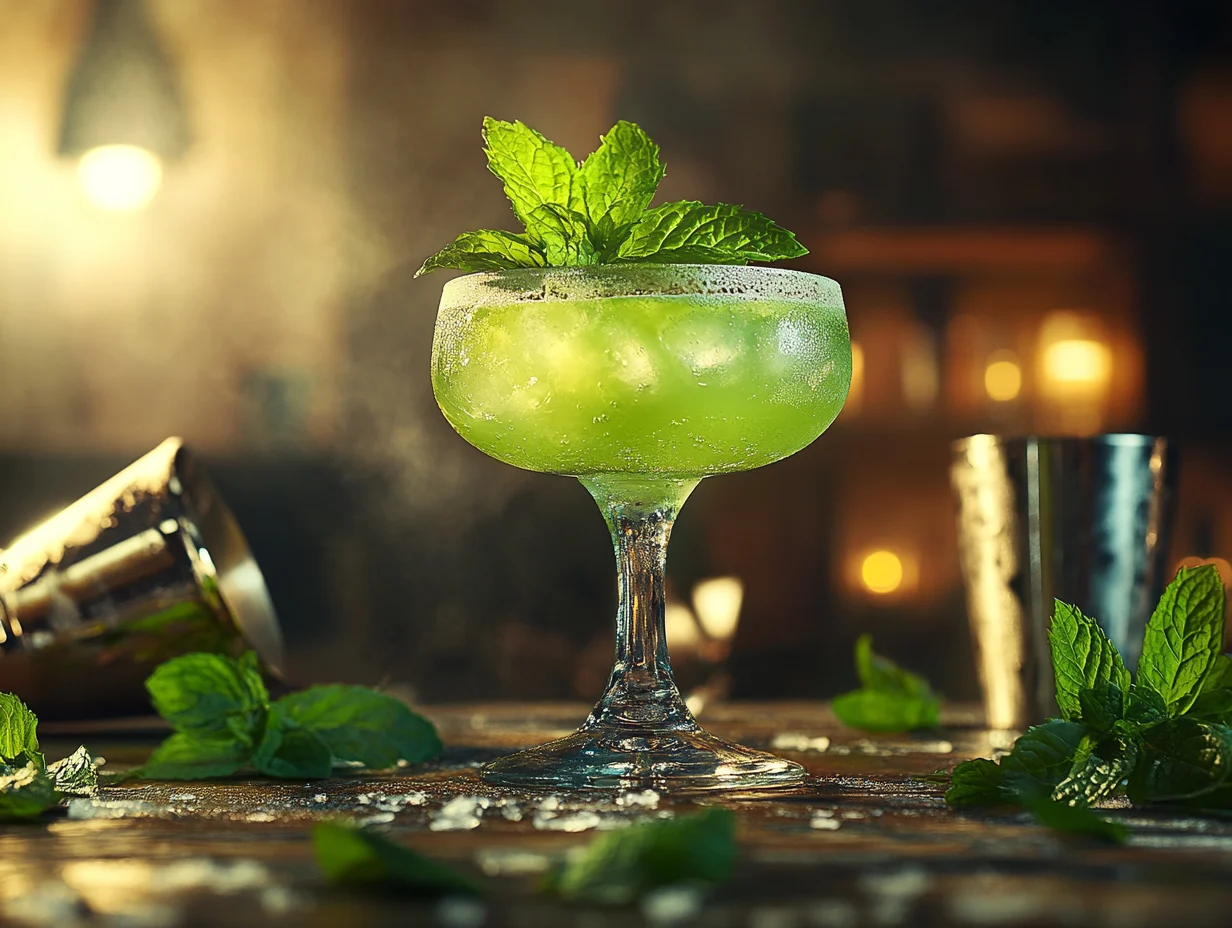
<point>640,381</point>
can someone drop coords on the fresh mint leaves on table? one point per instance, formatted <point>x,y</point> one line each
<point>224,721</point>
<point>598,211</point>
<point>890,699</point>
<point>617,868</point>
<point>620,866</point>
<point>354,857</point>
<point>1163,738</point>
<point>28,786</point>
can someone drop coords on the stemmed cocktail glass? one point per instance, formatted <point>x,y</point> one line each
<point>640,380</point>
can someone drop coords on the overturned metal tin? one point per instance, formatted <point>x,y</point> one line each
<point>149,565</point>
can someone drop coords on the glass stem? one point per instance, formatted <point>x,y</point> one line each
<point>641,696</point>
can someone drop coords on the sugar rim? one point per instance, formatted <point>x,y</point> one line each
<point>549,284</point>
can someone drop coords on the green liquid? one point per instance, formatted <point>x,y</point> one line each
<point>670,385</point>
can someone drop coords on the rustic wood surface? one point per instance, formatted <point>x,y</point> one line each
<point>862,843</point>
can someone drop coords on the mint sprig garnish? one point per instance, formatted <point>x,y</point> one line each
<point>598,211</point>
<point>225,722</point>
<point>28,786</point>
<point>1162,738</point>
<point>889,699</point>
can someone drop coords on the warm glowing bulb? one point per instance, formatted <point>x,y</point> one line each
<point>1003,377</point>
<point>1078,362</point>
<point>717,605</point>
<point>882,572</point>
<point>119,178</point>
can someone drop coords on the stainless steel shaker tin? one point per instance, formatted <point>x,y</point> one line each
<point>1084,520</point>
<point>148,565</point>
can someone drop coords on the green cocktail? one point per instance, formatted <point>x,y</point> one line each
<point>680,384</point>
<point>641,380</point>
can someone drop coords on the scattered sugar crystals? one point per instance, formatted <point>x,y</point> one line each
<point>511,811</point>
<point>461,813</point>
<point>824,820</point>
<point>571,821</point>
<point>796,741</point>
<point>646,799</point>
<point>384,802</point>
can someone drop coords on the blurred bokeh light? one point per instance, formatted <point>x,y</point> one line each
<point>882,572</point>
<point>119,178</point>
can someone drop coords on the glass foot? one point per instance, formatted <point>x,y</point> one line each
<point>668,761</point>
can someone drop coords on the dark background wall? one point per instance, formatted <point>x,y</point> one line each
<point>966,170</point>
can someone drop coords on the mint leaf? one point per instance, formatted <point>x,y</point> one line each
<point>291,752</point>
<point>881,673</point>
<point>1214,700</point>
<point>360,724</point>
<point>350,857</point>
<point>1220,674</point>
<point>1083,657</point>
<point>18,728</point>
<point>1099,770</point>
<point>75,775</point>
<point>620,866</point>
<point>1101,707</point>
<point>892,699</point>
<point>618,180</point>
<point>1042,757</point>
<point>535,171</point>
<point>210,694</point>
<point>1075,820</point>
<point>195,756</point>
<point>561,234</point>
<point>1211,706</point>
<point>1145,707</point>
<point>872,710</point>
<point>1184,638</point>
<point>979,782</point>
<point>26,792</point>
<point>485,250</point>
<point>1182,758</point>
<point>688,231</point>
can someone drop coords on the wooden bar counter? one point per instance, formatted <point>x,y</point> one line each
<point>862,843</point>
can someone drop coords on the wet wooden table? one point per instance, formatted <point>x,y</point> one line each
<point>863,843</point>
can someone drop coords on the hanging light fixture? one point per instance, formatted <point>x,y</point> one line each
<point>123,114</point>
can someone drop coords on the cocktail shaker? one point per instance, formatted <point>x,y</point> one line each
<point>149,565</point>
<point>1083,520</point>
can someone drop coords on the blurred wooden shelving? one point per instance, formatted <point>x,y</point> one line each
<point>958,250</point>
